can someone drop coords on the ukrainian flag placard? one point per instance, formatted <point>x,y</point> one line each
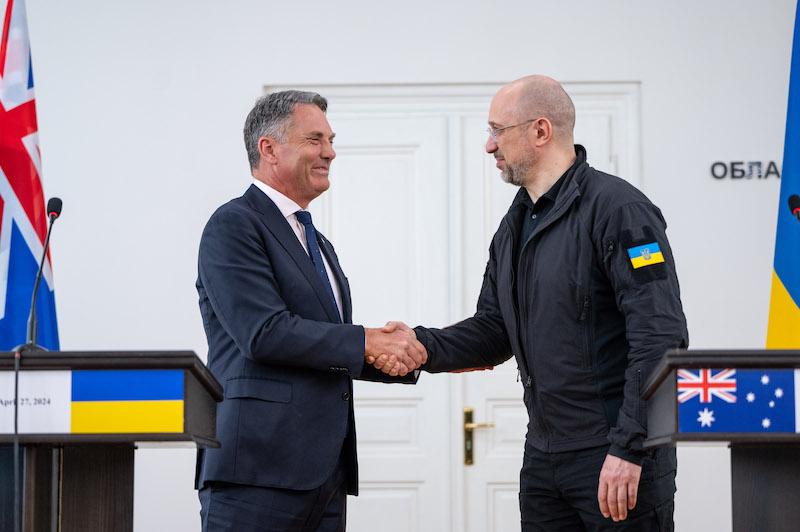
<point>645,255</point>
<point>127,401</point>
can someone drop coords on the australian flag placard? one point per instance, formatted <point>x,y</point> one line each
<point>737,400</point>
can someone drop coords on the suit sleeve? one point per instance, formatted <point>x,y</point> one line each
<point>236,272</point>
<point>478,341</point>
<point>638,262</point>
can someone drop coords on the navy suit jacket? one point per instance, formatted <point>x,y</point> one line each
<point>277,346</point>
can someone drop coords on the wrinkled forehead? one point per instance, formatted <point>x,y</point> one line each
<point>308,118</point>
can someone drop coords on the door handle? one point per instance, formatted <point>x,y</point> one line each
<point>469,429</point>
<point>473,426</point>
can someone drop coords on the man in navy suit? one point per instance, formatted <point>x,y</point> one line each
<point>277,314</point>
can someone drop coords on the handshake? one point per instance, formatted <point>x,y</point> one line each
<point>394,349</point>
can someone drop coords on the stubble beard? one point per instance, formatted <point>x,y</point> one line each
<point>515,174</point>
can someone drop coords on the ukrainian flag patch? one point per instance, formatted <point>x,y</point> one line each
<point>645,255</point>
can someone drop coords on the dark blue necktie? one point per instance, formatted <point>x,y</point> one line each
<point>304,217</point>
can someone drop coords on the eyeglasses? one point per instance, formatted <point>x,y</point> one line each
<point>494,132</point>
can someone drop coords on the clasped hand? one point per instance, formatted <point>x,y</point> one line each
<point>394,349</point>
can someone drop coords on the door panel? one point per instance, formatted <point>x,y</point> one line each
<point>386,213</point>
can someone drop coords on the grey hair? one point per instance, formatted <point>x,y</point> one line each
<point>271,117</point>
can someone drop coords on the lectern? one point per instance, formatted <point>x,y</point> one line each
<point>80,417</point>
<point>749,400</point>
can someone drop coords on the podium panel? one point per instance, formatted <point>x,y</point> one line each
<point>749,400</point>
<point>80,417</point>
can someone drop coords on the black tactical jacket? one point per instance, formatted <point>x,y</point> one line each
<point>600,306</point>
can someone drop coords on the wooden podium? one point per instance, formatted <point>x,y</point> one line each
<point>81,415</point>
<point>749,400</point>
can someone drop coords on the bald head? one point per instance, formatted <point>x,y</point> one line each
<point>537,96</point>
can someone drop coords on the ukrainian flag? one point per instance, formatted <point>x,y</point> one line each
<point>783,331</point>
<point>645,255</point>
<point>127,401</point>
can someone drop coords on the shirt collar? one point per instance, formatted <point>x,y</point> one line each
<point>552,192</point>
<point>549,196</point>
<point>286,205</point>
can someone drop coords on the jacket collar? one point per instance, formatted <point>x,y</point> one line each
<point>569,180</point>
<point>279,227</point>
<point>568,191</point>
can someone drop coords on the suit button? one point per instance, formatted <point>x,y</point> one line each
<point>346,396</point>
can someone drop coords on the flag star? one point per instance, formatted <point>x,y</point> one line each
<point>751,397</point>
<point>778,393</point>
<point>765,379</point>
<point>766,423</point>
<point>772,404</point>
<point>706,417</point>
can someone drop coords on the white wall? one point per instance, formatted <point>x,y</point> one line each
<point>141,106</point>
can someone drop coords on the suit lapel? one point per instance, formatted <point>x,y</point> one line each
<point>341,280</point>
<point>279,227</point>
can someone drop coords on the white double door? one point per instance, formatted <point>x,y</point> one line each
<point>413,205</point>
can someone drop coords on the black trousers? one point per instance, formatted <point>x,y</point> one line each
<point>558,492</point>
<point>237,508</point>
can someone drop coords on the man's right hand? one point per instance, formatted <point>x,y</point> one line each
<point>395,352</point>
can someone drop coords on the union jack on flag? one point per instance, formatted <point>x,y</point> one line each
<point>23,222</point>
<point>706,384</point>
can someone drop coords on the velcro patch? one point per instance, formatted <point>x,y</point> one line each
<point>645,256</point>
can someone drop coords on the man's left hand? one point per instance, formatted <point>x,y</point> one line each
<point>619,486</point>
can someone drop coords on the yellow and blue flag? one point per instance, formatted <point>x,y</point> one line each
<point>102,401</point>
<point>127,401</point>
<point>645,255</point>
<point>783,331</point>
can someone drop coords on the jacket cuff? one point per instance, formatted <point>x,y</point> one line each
<point>422,336</point>
<point>628,455</point>
<point>358,364</point>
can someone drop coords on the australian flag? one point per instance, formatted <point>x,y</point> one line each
<point>23,222</point>
<point>736,400</point>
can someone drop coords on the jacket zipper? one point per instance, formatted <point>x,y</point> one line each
<point>521,315</point>
<point>531,382</point>
<point>527,382</point>
<point>586,324</point>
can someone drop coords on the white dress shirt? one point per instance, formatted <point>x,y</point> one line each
<point>288,207</point>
